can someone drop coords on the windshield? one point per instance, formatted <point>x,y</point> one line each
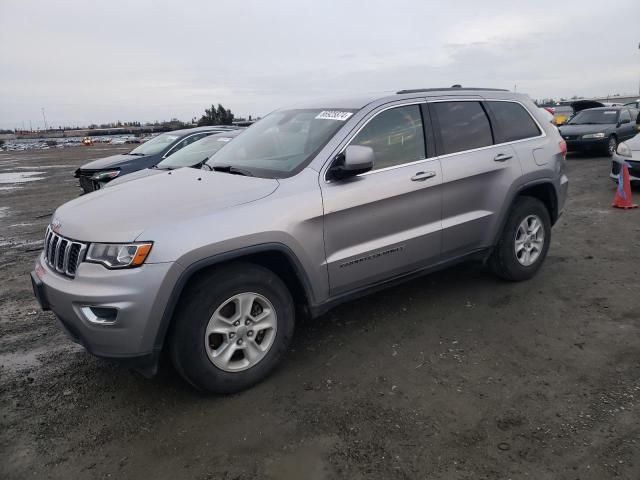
<point>155,145</point>
<point>595,117</point>
<point>282,143</point>
<point>198,151</point>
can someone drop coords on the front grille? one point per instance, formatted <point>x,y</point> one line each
<point>87,184</point>
<point>63,255</point>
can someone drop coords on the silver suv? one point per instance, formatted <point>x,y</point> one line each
<point>308,208</point>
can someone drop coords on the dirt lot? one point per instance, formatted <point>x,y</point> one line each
<point>456,375</point>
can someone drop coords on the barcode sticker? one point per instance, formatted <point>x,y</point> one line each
<point>333,115</point>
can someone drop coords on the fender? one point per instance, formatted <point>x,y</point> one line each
<point>190,270</point>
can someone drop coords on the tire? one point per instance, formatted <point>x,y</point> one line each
<point>504,262</point>
<point>612,145</point>
<point>220,301</point>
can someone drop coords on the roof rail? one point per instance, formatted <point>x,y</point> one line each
<point>449,89</point>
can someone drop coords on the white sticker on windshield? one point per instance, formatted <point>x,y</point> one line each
<point>610,112</point>
<point>224,139</point>
<point>333,115</point>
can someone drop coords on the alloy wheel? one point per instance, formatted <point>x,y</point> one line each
<point>529,240</point>
<point>240,332</point>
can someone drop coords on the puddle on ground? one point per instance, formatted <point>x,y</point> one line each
<point>4,242</point>
<point>17,361</point>
<point>19,177</point>
<point>42,167</point>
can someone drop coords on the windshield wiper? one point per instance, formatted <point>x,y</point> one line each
<point>136,154</point>
<point>231,169</point>
<point>202,164</point>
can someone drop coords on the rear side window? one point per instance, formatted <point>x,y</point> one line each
<point>513,122</point>
<point>395,135</point>
<point>462,126</point>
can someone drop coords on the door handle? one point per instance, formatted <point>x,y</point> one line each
<point>422,176</point>
<point>502,157</point>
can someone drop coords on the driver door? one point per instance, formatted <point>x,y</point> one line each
<point>385,222</point>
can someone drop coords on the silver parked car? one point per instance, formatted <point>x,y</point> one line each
<point>627,153</point>
<point>309,207</point>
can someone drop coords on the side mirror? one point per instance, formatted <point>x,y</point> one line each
<point>355,159</point>
<point>624,120</point>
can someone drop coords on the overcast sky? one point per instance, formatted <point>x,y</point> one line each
<point>86,61</point>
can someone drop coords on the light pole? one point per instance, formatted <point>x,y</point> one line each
<point>45,119</point>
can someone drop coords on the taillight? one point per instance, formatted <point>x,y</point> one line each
<point>563,148</point>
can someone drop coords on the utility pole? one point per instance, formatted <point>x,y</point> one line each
<point>44,118</point>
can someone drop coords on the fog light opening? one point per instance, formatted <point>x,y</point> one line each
<point>100,315</point>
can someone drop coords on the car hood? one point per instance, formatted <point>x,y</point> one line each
<point>584,129</point>
<point>634,143</point>
<point>121,213</point>
<point>147,172</point>
<point>110,162</point>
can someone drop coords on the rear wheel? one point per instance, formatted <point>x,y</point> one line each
<point>232,328</point>
<point>524,242</point>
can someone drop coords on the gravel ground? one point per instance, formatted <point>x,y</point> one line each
<point>456,375</point>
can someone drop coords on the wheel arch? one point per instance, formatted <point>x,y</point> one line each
<point>276,257</point>
<point>543,190</point>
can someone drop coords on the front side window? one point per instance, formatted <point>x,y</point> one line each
<point>282,143</point>
<point>513,122</point>
<point>395,135</point>
<point>462,126</point>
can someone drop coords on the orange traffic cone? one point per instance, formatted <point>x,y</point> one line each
<point>623,193</point>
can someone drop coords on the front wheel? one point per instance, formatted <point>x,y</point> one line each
<point>524,242</point>
<point>232,327</point>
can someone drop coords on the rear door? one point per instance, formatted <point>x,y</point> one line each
<point>476,174</point>
<point>385,222</point>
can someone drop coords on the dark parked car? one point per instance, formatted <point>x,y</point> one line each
<point>599,129</point>
<point>96,174</point>
<point>194,156</point>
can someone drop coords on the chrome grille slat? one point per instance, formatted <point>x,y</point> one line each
<point>65,260</point>
<point>60,253</point>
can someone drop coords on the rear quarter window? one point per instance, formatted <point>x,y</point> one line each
<point>512,122</point>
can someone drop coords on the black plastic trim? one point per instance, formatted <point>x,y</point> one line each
<point>451,89</point>
<point>190,270</point>
<point>332,302</point>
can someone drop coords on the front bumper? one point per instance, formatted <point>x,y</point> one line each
<point>87,184</point>
<point>137,296</point>
<point>584,145</point>
<point>634,168</point>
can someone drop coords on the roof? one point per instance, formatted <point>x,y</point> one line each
<point>207,128</point>
<point>229,133</point>
<point>617,107</point>
<point>359,101</point>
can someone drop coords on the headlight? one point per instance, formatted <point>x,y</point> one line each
<point>119,255</point>
<point>102,176</point>
<point>594,135</point>
<point>623,150</point>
